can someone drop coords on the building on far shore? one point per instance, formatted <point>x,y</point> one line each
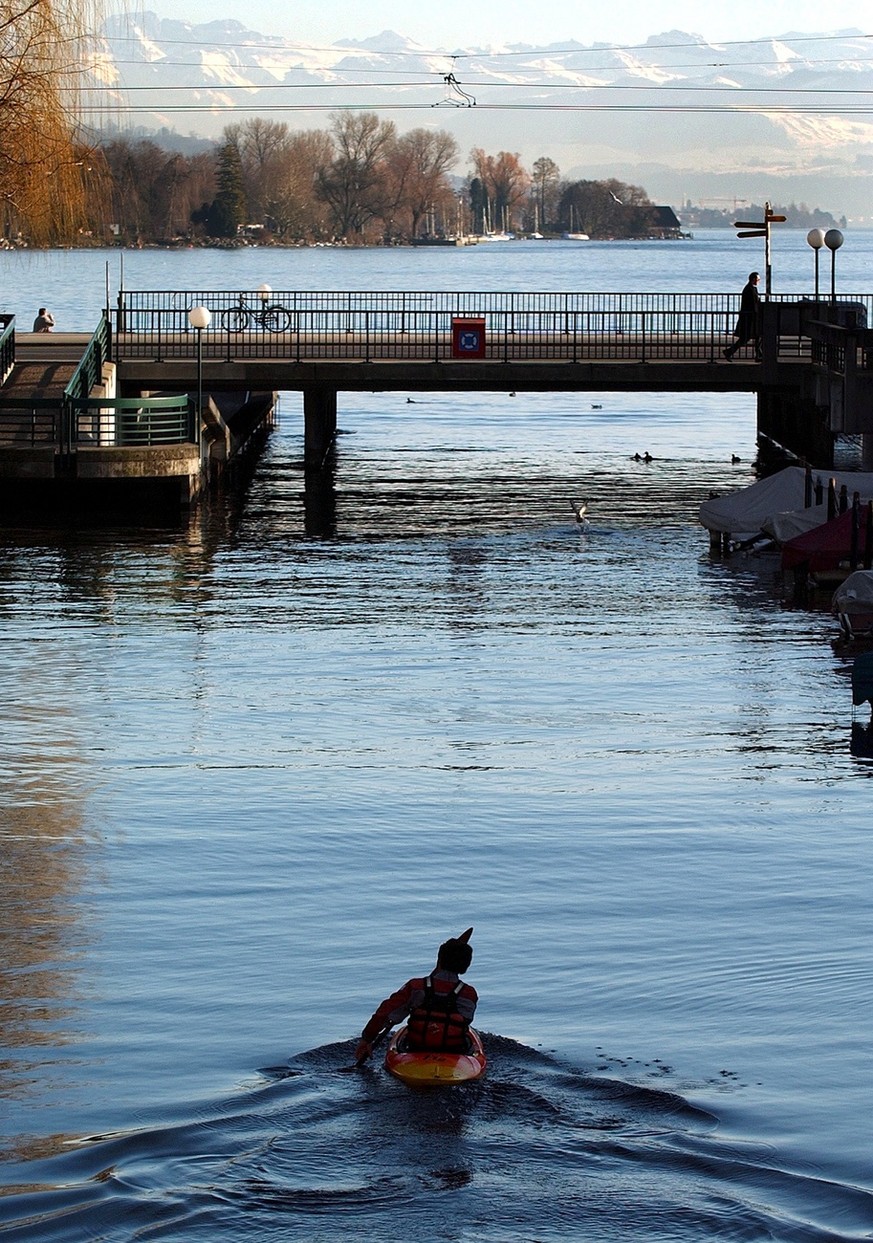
<point>664,223</point>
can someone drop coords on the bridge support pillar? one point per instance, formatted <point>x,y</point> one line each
<point>788,419</point>
<point>319,424</point>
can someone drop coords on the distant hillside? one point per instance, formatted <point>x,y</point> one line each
<point>167,139</point>
<point>796,217</point>
<point>805,145</point>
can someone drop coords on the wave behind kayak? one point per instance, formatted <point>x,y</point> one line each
<point>537,1150</point>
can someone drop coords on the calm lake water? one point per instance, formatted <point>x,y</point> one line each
<point>252,774</point>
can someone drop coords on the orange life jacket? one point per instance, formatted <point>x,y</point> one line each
<point>435,1023</point>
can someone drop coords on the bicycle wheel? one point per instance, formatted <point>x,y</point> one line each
<point>277,319</point>
<point>236,319</point>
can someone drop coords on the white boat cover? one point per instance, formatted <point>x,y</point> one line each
<point>783,527</point>
<point>769,501</point>
<point>855,595</point>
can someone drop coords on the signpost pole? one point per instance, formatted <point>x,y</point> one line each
<point>761,228</point>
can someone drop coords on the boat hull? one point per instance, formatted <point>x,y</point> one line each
<point>433,1070</point>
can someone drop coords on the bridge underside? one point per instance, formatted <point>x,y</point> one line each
<point>140,375</point>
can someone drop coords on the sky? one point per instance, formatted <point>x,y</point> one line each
<point>462,23</point>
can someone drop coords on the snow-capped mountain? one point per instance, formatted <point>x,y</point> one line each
<point>785,119</point>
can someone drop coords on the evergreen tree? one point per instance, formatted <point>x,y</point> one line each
<point>228,212</point>
<point>477,205</point>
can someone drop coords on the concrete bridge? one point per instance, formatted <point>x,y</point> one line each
<point>814,385</point>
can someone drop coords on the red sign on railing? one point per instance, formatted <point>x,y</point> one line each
<point>468,337</point>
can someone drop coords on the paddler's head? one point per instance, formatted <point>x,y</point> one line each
<point>456,954</point>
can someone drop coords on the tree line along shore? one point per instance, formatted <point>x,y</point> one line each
<point>360,182</point>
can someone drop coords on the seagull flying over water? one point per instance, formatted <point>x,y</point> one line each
<point>580,509</point>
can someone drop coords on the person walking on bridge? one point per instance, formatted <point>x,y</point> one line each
<point>749,321</point>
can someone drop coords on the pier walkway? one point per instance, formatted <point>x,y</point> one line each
<point>815,382</point>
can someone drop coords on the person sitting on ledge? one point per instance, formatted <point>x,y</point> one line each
<point>44,321</point>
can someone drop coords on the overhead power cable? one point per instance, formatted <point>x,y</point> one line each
<point>380,106</point>
<point>373,71</point>
<point>576,50</point>
<point>453,86</point>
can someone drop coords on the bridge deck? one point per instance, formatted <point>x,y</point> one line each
<point>523,360</point>
<point>619,362</point>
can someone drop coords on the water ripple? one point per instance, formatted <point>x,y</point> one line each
<point>536,1151</point>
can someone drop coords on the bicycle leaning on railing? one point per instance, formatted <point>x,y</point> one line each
<point>271,316</point>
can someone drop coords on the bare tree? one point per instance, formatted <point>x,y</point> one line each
<point>151,192</point>
<point>545,183</point>
<point>605,208</point>
<point>292,206</point>
<point>419,162</point>
<point>505,184</point>
<point>354,183</point>
<point>262,146</point>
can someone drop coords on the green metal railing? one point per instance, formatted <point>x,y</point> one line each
<point>90,369</point>
<point>126,422</point>
<point>77,420</point>
<point>7,345</point>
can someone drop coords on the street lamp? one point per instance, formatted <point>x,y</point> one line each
<point>264,292</point>
<point>198,318</point>
<point>833,240</point>
<point>816,239</point>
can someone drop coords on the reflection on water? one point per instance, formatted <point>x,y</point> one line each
<point>62,596</point>
<point>44,850</point>
<point>862,740</point>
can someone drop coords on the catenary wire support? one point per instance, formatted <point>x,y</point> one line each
<point>454,95</point>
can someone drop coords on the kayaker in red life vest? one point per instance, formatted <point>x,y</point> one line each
<point>440,1006</point>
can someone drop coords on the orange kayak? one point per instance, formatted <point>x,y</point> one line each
<point>433,1070</point>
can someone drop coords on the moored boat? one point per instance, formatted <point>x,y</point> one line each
<point>852,605</point>
<point>426,1069</point>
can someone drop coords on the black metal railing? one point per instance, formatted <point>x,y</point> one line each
<point>26,421</point>
<point>404,326</point>
<point>32,422</point>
